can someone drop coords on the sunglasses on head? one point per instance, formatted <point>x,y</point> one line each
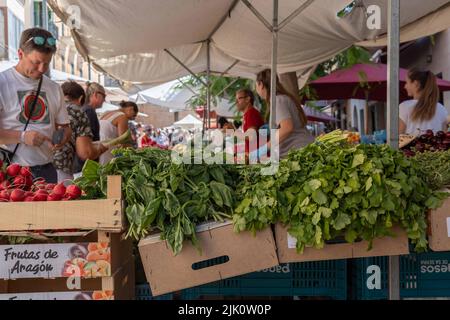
<point>40,41</point>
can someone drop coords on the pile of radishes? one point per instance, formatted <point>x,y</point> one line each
<point>17,185</point>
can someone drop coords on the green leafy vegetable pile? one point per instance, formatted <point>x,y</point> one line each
<point>163,196</point>
<point>328,190</point>
<point>333,189</point>
<point>434,167</point>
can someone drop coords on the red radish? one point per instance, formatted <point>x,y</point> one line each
<point>42,191</point>
<point>50,186</point>
<point>40,197</point>
<point>17,195</point>
<point>59,189</point>
<point>29,194</point>
<point>28,199</point>
<point>4,195</point>
<point>20,182</point>
<point>54,197</point>
<point>73,192</point>
<point>26,172</point>
<point>5,185</point>
<point>2,176</point>
<point>39,184</point>
<point>29,181</point>
<point>13,170</point>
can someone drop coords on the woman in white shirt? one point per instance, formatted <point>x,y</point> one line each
<point>424,112</point>
<point>115,123</point>
<point>290,117</point>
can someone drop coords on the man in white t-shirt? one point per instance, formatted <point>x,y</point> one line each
<point>18,88</point>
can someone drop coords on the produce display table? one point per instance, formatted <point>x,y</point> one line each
<point>92,262</point>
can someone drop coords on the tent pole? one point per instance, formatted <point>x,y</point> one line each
<point>294,14</point>
<point>185,67</point>
<point>186,86</point>
<point>208,80</point>
<point>224,18</point>
<point>273,84</point>
<point>258,15</point>
<point>393,85</point>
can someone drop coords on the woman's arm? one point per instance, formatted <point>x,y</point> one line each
<point>122,125</point>
<point>87,150</point>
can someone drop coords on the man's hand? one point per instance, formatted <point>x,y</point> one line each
<point>35,139</point>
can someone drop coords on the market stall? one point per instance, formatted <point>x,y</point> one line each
<point>176,199</point>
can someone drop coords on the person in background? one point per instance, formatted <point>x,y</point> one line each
<point>115,123</point>
<point>81,140</point>
<point>95,97</point>
<point>252,119</point>
<point>18,88</point>
<point>290,117</point>
<point>424,112</point>
<point>225,124</point>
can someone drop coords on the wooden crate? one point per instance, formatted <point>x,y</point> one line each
<point>116,283</point>
<point>439,227</point>
<point>106,214</point>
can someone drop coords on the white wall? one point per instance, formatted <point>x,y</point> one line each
<point>356,119</point>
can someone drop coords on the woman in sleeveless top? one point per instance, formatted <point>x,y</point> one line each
<point>115,123</point>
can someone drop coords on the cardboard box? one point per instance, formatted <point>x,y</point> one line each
<point>387,246</point>
<point>246,253</point>
<point>439,228</point>
<point>120,286</point>
<point>104,214</point>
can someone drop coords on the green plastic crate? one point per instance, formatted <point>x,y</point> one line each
<point>308,279</point>
<point>143,292</point>
<point>425,275</point>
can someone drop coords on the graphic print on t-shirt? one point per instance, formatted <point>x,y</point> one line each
<point>40,114</point>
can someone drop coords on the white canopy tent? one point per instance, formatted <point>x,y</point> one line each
<point>139,41</point>
<point>189,122</point>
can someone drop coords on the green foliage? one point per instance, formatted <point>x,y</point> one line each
<point>333,189</point>
<point>163,196</point>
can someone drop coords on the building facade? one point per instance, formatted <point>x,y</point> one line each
<point>16,15</point>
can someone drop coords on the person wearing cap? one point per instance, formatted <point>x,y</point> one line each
<point>19,85</point>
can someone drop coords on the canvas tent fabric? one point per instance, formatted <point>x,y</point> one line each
<point>189,122</point>
<point>129,39</point>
